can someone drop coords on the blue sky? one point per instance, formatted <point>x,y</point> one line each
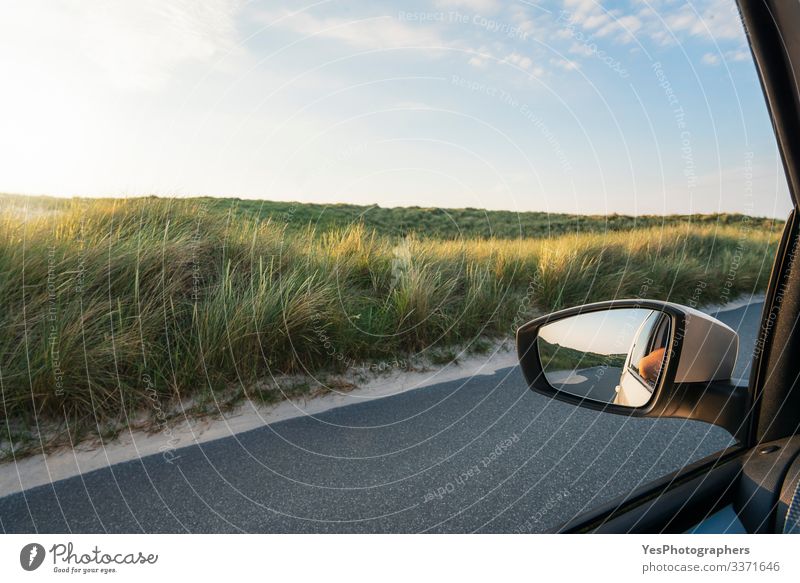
<point>571,106</point>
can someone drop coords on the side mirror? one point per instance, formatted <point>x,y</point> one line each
<point>637,357</point>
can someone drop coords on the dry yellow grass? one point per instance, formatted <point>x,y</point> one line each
<point>106,306</point>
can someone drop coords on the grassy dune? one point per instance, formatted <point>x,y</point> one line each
<point>555,357</point>
<point>401,221</point>
<point>110,309</point>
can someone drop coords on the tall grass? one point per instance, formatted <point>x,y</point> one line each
<point>109,306</point>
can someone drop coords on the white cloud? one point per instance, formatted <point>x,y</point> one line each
<point>718,20</point>
<point>482,57</point>
<point>581,8</point>
<point>520,61</point>
<point>565,64</point>
<point>137,45</point>
<point>523,20</point>
<point>664,23</point>
<point>479,61</point>
<point>369,33</point>
<point>474,5</point>
<point>738,55</point>
<point>602,23</point>
<point>625,28</point>
<point>584,50</point>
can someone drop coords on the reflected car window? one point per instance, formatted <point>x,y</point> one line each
<point>648,351</point>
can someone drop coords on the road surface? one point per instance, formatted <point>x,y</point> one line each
<point>482,454</point>
<point>598,383</point>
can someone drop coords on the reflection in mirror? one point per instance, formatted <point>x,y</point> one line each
<point>611,356</point>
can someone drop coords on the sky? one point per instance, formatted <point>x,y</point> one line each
<point>604,332</point>
<point>632,107</point>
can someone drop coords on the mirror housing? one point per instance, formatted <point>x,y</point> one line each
<point>695,380</point>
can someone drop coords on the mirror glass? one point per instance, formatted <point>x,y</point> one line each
<point>611,356</point>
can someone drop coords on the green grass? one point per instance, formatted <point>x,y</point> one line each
<point>555,357</point>
<point>437,222</point>
<point>115,309</point>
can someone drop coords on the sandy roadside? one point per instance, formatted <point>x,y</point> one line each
<point>37,470</point>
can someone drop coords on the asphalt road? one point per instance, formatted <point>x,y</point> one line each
<point>483,454</point>
<point>596,382</point>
